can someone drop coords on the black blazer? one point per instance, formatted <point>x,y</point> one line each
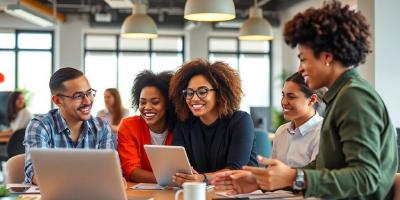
<point>233,145</point>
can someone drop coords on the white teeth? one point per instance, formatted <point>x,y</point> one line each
<point>149,114</point>
<point>85,110</point>
<point>197,106</point>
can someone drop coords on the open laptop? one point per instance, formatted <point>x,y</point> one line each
<point>79,174</point>
<point>166,161</point>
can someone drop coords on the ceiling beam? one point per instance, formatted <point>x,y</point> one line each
<point>39,7</point>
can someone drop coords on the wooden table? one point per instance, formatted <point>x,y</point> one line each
<point>155,194</point>
<point>168,194</point>
<point>160,194</point>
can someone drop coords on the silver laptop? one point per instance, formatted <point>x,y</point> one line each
<point>78,174</point>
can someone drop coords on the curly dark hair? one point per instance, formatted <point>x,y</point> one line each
<point>335,29</point>
<point>160,81</point>
<point>221,76</point>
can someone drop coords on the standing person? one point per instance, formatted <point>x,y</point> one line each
<point>71,125</point>
<point>17,113</point>
<point>114,111</point>
<point>216,135</point>
<point>357,157</point>
<point>296,143</point>
<point>153,126</point>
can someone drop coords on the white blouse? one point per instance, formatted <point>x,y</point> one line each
<point>298,147</point>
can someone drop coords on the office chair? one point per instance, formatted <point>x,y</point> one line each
<point>15,169</point>
<point>263,144</point>
<point>15,146</point>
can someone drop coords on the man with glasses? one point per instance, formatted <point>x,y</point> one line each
<point>71,125</point>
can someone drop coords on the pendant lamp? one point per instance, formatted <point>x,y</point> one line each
<point>138,24</point>
<point>256,27</point>
<point>209,10</point>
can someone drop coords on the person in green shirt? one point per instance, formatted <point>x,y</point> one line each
<point>358,152</point>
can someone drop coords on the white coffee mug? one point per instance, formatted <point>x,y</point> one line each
<point>192,191</point>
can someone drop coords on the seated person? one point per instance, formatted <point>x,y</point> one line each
<point>17,114</point>
<point>71,125</point>
<point>296,143</point>
<point>357,157</point>
<point>114,111</point>
<point>153,126</point>
<point>216,135</point>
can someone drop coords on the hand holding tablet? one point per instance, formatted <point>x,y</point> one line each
<point>166,161</point>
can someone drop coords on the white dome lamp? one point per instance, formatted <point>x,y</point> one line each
<point>139,25</point>
<point>209,10</point>
<point>256,27</point>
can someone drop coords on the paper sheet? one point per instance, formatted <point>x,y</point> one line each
<point>153,186</point>
<point>258,194</point>
<point>147,186</point>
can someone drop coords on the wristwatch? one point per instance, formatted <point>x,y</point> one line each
<point>299,183</point>
<point>205,180</point>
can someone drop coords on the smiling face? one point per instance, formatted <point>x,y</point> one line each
<point>205,107</point>
<point>296,106</point>
<point>75,110</point>
<point>152,107</point>
<point>317,72</point>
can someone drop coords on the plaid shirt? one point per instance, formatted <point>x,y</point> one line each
<point>51,131</point>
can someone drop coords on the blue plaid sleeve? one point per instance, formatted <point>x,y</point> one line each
<point>108,139</point>
<point>35,137</point>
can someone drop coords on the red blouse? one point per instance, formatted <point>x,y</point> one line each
<point>133,133</point>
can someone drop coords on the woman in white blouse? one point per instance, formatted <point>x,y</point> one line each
<point>17,114</point>
<point>296,143</point>
<point>114,111</point>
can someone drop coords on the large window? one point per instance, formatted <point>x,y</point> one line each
<point>252,59</point>
<point>112,61</point>
<point>27,63</point>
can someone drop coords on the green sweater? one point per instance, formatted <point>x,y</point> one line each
<point>358,151</point>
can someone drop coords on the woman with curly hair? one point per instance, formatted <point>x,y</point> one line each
<point>357,157</point>
<point>154,125</point>
<point>114,111</point>
<point>216,135</point>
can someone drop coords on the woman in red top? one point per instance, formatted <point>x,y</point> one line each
<point>154,125</point>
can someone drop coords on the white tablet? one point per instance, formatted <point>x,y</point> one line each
<point>166,161</point>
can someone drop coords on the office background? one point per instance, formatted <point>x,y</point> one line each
<point>73,43</point>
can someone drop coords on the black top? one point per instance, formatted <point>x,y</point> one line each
<point>227,143</point>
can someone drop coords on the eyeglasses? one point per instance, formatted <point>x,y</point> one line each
<point>81,95</point>
<point>200,92</point>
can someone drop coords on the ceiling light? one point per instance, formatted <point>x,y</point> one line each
<point>139,25</point>
<point>209,10</point>
<point>256,27</point>
<point>27,14</point>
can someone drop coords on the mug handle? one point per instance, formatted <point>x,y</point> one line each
<point>178,193</point>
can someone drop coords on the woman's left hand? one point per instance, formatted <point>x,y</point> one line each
<point>180,178</point>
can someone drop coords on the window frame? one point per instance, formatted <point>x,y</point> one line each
<point>150,52</point>
<point>238,53</point>
<point>17,50</point>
